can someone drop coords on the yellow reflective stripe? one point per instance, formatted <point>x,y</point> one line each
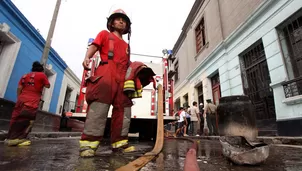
<point>91,144</point>
<point>119,143</point>
<point>129,82</point>
<point>130,87</point>
<point>129,149</point>
<point>135,94</point>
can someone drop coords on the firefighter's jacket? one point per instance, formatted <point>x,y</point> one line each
<point>137,77</point>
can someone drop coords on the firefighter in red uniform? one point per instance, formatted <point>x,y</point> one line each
<point>106,88</point>
<point>29,93</point>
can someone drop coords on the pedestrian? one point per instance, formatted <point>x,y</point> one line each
<point>201,119</point>
<point>201,106</point>
<point>189,110</point>
<point>188,118</point>
<point>29,92</point>
<point>210,112</point>
<point>195,118</point>
<point>182,122</point>
<point>106,87</point>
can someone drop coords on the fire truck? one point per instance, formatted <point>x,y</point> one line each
<point>144,109</point>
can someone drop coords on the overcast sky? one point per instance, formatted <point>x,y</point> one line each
<point>156,24</point>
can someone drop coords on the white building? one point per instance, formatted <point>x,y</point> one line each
<point>70,91</point>
<point>250,47</point>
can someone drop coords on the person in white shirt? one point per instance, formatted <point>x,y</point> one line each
<point>195,119</point>
<point>182,122</point>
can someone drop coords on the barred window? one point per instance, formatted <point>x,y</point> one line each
<point>200,35</point>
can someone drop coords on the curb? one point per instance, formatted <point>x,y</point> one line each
<point>281,140</point>
<point>267,140</point>
<point>34,135</point>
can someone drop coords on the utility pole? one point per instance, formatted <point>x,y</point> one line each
<point>50,34</point>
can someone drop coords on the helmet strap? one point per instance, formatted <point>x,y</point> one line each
<point>129,35</point>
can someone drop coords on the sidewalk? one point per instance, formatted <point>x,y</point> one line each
<point>45,134</point>
<point>267,140</point>
<point>33,135</point>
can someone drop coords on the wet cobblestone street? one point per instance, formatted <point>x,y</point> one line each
<point>62,154</point>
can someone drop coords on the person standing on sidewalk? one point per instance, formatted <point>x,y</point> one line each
<point>201,119</point>
<point>182,122</point>
<point>195,119</point>
<point>29,94</point>
<point>210,112</point>
<point>188,118</point>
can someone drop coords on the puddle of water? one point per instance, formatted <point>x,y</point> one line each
<point>210,157</point>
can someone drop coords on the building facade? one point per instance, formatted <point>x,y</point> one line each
<point>70,91</point>
<point>248,48</point>
<point>21,45</point>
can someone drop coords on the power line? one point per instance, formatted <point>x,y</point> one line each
<point>150,56</point>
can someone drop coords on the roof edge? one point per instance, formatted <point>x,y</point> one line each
<point>11,7</point>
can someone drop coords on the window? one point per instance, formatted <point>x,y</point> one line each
<point>2,44</point>
<point>200,35</point>
<point>290,36</point>
<point>76,102</point>
<point>256,81</point>
<point>186,99</point>
<point>9,48</point>
<point>68,104</point>
<point>177,104</point>
<point>176,76</point>
<point>215,80</point>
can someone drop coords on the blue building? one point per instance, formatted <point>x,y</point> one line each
<point>20,46</point>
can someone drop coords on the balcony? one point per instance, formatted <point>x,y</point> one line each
<point>293,87</point>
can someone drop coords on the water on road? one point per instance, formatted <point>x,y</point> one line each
<point>63,154</point>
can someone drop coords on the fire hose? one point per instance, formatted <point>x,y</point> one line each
<point>190,161</point>
<point>147,157</point>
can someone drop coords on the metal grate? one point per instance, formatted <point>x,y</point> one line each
<point>256,82</point>
<point>291,35</point>
<point>293,87</point>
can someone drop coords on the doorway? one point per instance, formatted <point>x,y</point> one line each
<point>216,89</point>
<point>256,81</point>
<point>200,94</point>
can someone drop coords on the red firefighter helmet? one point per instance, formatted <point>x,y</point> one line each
<point>119,13</point>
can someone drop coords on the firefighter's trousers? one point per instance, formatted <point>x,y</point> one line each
<point>105,88</point>
<point>22,121</point>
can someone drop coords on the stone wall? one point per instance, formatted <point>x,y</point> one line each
<point>45,121</point>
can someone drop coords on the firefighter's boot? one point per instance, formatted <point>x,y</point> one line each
<point>122,146</point>
<point>18,142</point>
<point>88,148</point>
